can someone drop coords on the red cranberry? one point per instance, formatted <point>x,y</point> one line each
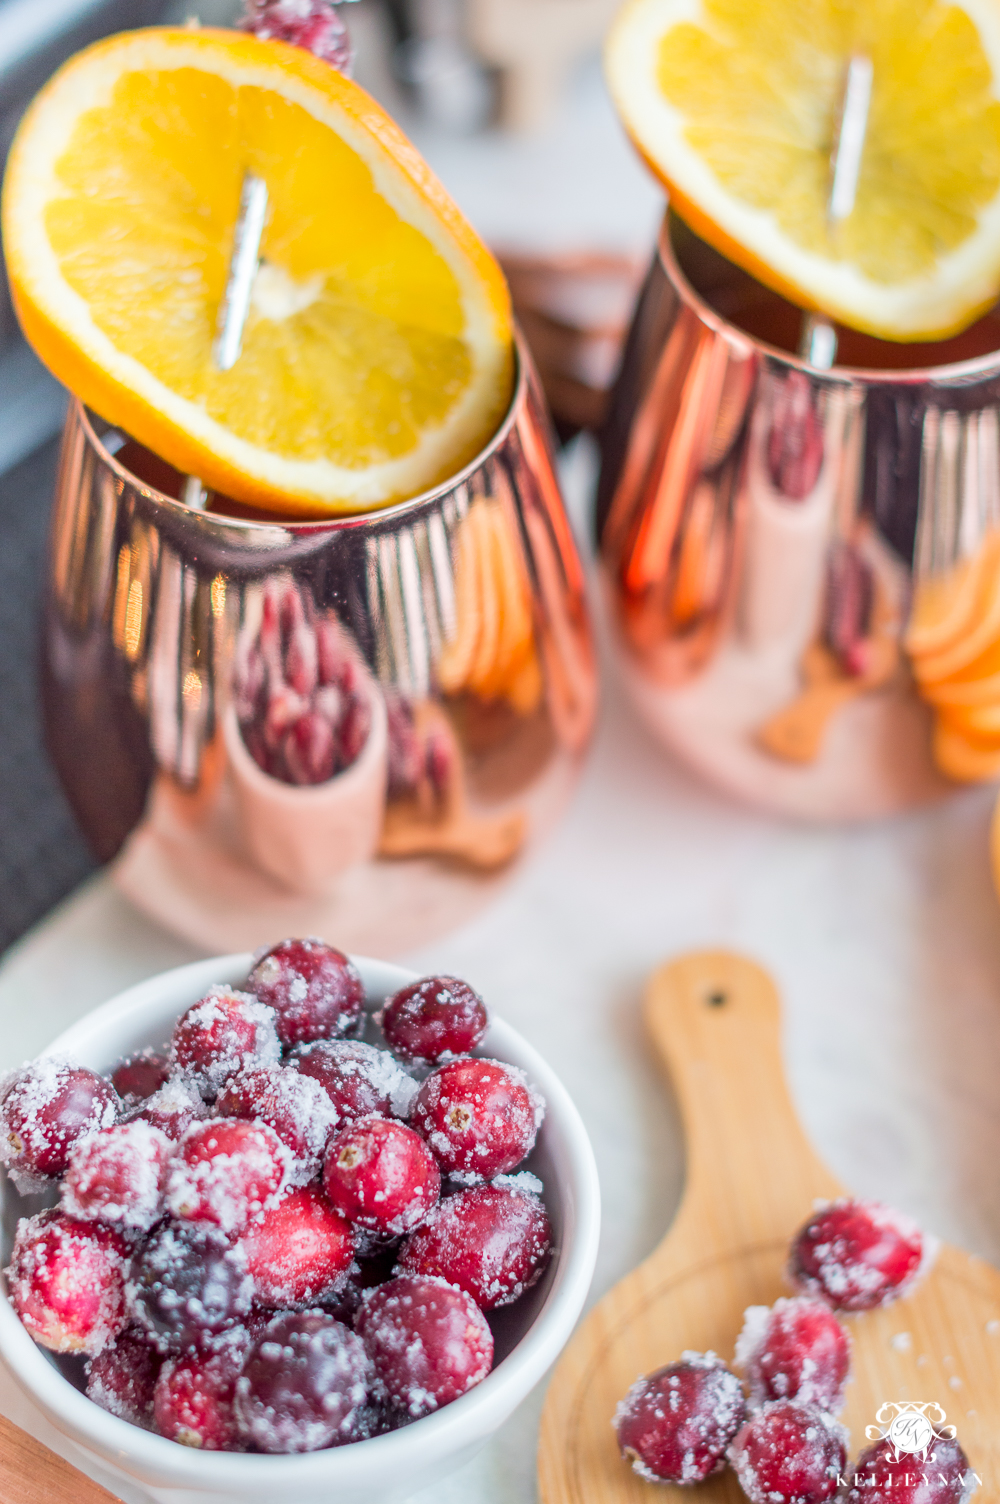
<point>304,1385</point>
<point>312,24</point>
<point>188,1286</point>
<point>364,1274</point>
<point>294,1105</point>
<point>173,1108</point>
<point>858,1255</point>
<point>226,1171</point>
<point>433,1020</point>
<point>193,1401</point>
<point>117,1176</point>
<point>944,1478</point>
<point>789,1454</point>
<point>67,1282</point>
<point>121,1378</point>
<point>47,1107</point>
<point>138,1076</point>
<point>478,1116</point>
<point>492,1241</point>
<point>358,1078</point>
<point>674,1425</point>
<point>428,1341</point>
<point>299,1251</point>
<point>314,989</point>
<point>220,1035</point>
<point>381,1175</point>
<point>795,1350</point>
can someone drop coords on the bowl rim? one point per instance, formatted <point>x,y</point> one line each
<point>466,1420</point>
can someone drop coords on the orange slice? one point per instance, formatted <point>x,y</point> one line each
<point>734,104</point>
<point>377,356</point>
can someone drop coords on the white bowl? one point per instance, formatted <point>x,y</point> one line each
<point>529,1335</point>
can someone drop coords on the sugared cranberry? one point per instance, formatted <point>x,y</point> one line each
<point>304,1385</point>
<point>225,1172</point>
<point>858,1255</point>
<point>314,990</point>
<point>312,24</point>
<point>117,1176</point>
<point>67,1282</point>
<point>428,1342</point>
<point>299,1251</point>
<point>221,1034</point>
<point>358,1078</point>
<point>294,1105</point>
<point>381,1175</point>
<point>674,1425</point>
<point>173,1108</point>
<point>492,1241</point>
<point>47,1107</point>
<point>138,1076</point>
<point>364,1274</point>
<point>479,1117</point>
<point>187,1286</point>
<point>943,1478</point>
<point>121,1378</point>
<point>434,1020</point>
<point>794,1350</point>
<point>193,1400</point>
<point>789,1454</point>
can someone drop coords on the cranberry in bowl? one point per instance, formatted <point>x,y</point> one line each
<point>527,1335</point>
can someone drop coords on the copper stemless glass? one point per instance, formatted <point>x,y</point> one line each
<point>434,661</point>
<point>762,524</point>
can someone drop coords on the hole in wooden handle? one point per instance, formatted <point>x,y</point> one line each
<point>716,999</point>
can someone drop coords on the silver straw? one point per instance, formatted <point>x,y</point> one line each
<point>235,304</point>
<point>818,340</point>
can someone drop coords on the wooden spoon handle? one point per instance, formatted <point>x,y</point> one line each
<point>715,1019</point>
<point>32,1474</point>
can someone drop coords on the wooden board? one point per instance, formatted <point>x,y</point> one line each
<point>752,1178</point>
<point>31,1474</point>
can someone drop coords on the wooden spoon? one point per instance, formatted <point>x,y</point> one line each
<point>752,1179</point>
<point>32,1474</point>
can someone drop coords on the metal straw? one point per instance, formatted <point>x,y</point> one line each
<point>818,340</point>
<point>235,304</point>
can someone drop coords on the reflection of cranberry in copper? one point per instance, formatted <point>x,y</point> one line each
<point>850,594</point>
<point>674,1425</point>
<point>795,440</point>
<point>301,704</point>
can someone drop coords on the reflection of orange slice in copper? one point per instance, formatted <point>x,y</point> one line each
<point>982,627</point>
<point>980,721</point>
<point>977,684</point>
<point>944,608</point>
<point>795,734</point>
<point>966,758</point>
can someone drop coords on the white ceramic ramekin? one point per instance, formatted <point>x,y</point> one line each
<point>529,1335</point>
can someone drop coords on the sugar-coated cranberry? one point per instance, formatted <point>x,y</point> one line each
<point>434,1020</point>
<point>794,1350</point>
<point>858,1255</point>
<point>138,1076</point>
<point>304,1385</point>
<point>122,1377</point>
<point>492,1241</point>
<point>299,1251</point>
<point>363,1275</point>
<point>788,1453</point>
<point>226,1171</point>
<point>67,1282</point>
<point>193,1399</point>
<point>358,1078</point>
<point>188,1286</point>
<point>428,1341</point>
<point>47,1107</point>
<point>674,1425</point>
<point>173,1108</point>
<point>295,1106</point>
<point>314,990</point>
<point>312,24</point>
<point>479,1117</point>
<point>117,1176</point>
<point>945,1477</point>
<point>221,1034</point>
<point>381,1175</point>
